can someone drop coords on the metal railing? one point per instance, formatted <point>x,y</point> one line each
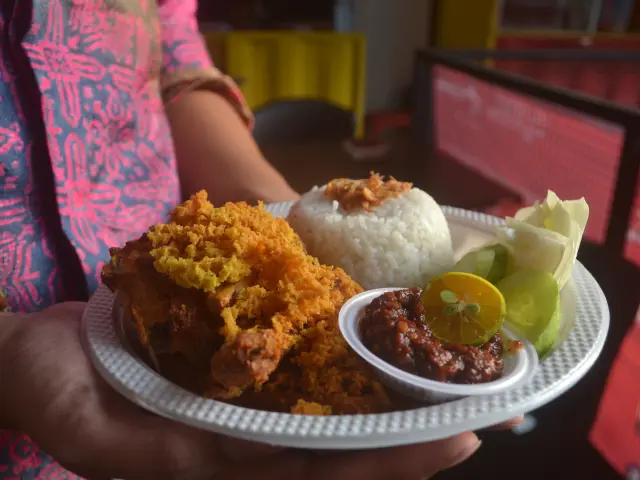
<point>468,62</point>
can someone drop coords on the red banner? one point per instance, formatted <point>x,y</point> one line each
<point>616,81</point>
<point>531,146</point>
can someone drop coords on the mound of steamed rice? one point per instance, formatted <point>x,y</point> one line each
<point>402,243</point>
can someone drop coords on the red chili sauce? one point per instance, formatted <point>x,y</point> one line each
<point>393,328</point>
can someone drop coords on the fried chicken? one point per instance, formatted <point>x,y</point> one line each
<point>249,359</point>
<point>233,288</point>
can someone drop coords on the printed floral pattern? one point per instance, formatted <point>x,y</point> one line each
<point>109,164</point>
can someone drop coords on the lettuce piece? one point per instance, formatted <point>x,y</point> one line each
<point>546,235</point>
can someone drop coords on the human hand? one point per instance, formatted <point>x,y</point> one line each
<point>52,393</point>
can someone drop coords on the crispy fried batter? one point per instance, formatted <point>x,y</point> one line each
<point>310,408</point>
<point>328,372</point>
<point>365,194</point>
<point>233,287</point>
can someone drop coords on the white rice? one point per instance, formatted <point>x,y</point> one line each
<point>402,243</point>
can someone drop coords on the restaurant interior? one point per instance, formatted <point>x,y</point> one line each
<point>485,104</point>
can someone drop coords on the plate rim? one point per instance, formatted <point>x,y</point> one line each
<point>336,432</point>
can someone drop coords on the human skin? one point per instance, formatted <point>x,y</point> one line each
<point>216,152</point>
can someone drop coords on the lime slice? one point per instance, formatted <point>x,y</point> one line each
<point>533,306</point>
<point>489,263</point>
<point>462,308</point>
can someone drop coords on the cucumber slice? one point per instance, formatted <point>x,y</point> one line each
<point>489,263</point>
<point>533,306</point>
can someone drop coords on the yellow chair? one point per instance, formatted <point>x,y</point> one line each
<point>298,65</point>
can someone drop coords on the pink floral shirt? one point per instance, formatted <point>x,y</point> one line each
<point>86,156</point>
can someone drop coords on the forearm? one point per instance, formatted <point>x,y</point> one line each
<point>215,151</point>
<point>8,326</point>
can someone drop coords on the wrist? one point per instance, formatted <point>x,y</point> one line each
<point>9,324</point>
<point>275,190</point>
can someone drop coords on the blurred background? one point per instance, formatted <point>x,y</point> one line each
<point>485,104</point>
<point>320,72</point>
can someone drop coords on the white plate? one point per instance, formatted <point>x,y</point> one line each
<point>584,329</point>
